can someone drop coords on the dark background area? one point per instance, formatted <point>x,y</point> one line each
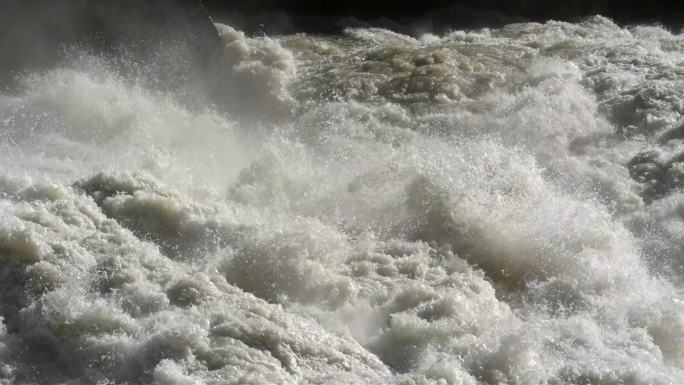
<point>35,34</point>
<point>296,15</point>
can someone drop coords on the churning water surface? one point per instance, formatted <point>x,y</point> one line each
<point>498,206</point>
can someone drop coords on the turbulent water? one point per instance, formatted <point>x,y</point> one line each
<point>499,206</point>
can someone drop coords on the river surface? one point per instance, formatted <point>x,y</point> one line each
<point>497,206</point>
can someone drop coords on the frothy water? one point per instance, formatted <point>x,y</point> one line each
<point>500,206</point>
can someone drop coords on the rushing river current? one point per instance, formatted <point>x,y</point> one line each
<point>497,206</point>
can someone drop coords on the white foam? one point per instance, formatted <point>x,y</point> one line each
<point>461,209</point>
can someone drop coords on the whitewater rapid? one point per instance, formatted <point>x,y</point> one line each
<point>498,206</point>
